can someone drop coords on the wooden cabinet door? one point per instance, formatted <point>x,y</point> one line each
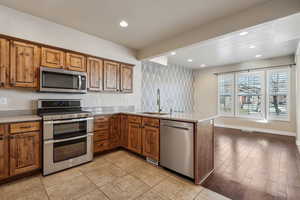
<point>111,76</point>
<point>24,152</point>
<point>53,58</point>
<point>124,131</point>
<point>126,78</point>
<point>95,74</point>
<point>115,131</point>
<point>135,137</point>
<point>151,142</point>
<point>4,62</point>
<point>25,61</point>
<point>4,171</point>
<point>75,62</point>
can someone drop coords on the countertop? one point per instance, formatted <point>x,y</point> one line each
<point>187,117</point>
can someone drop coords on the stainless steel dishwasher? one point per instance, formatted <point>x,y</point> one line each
<point>177,146</point>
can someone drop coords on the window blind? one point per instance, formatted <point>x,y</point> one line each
<point>226,94</point>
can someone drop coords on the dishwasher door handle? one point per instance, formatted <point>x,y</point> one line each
<point>177,127</point>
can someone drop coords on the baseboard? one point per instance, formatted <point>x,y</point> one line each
<point>261,130</point>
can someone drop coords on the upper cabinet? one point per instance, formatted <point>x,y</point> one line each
<point>95,74</point>
<point>24,64</point>
<point>75,62</point>
<point>111,76</point>
<point>126,78</point>
<point>53,58</point>
<point>4,62</point>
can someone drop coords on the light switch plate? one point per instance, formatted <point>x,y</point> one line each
<point>3,100</point>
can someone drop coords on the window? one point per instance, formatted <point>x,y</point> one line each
<point>250,94</point>
<point>278,94</point>
<point>260,94</point>
<point>226,94</point>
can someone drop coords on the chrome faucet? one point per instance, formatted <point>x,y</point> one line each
<point>158,100</point>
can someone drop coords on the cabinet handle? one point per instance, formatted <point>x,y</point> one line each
<point>2,137</point>
<point>12,137</point>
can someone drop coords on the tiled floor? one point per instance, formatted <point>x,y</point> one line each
<point>117,176</point>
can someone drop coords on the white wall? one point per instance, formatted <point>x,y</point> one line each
<point>297,60</point>
<point>25,26</point>
<point>206,97</point>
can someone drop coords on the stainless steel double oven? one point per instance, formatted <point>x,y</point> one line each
<point>67,134</point>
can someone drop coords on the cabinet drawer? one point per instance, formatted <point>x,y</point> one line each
<point>101,126</point>
<point>101,119</point>
<point>2,130</point>
<point>101,146</point>
<point>101,135</point>
<point>24,127</point>
<point>134,119</point>
<point>150,122</point>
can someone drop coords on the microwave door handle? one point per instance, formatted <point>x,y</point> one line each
<point>79,82</point>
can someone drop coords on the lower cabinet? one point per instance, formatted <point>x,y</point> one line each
<point>4,156</point>
<point>115,135</point>
<point>24,152</point>
<point>124,131</point>
<point>135,137</point>
<point>151,142</point>
<point>19,152</point>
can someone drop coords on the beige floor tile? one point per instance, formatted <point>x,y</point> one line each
<point>61,177</point>
<point>96,163</point>
<point>72,189</point>
<point>149,174</point>
<point>206,194</point>
<point>27,188</point>
<point>94,195</point>
<point>126,187</point>
<point>104,174</point>
<point>177,189</point>
<point>151,195</point>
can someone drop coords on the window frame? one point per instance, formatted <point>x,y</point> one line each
<point>269,116</point>
<point>263,84</point>
<point>232,114</point>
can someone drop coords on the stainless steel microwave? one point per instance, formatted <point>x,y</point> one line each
<point>63,81</point>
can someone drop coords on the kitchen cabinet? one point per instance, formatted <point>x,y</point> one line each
<point>24,152</point>
<point>53,58</point>
<point>126,78</point>
<point>75,62</point>
<point>4,62</point>
<point>150,138</point>
<point>102,133</point>
<point>4,167</point>
<point>124,131</point>
<point>95,74</point>
<point>135,134</point>
<point>24,64</point>
<point>111,76</point>
<point>115,135</point>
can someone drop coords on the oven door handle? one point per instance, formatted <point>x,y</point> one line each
<point>68,139</point>
<point>69,121</point>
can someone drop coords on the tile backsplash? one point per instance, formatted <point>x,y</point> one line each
<point>175,84</point>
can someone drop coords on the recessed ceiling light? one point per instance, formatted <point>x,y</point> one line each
<point>173,53</point>
<point>203,65</point>
<point>252,46</point>
<point>123,24</point>
<point>258,56</point>
<point>244,33</point>
<point>190,60</point>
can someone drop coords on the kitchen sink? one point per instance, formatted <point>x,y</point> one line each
<point>155,113</point>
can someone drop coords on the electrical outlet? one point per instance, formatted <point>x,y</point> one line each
<point>3,100</point>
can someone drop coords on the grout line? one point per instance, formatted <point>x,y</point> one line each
<point>44,187</point>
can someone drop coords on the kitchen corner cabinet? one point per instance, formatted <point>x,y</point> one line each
<point>53,58</point>
<point>126,78</point>
<point>111,76</point>
<point>124,131</point>
<point>75,62</point>
<point>4,62</point>
<point>4,156</point>
<point>115,135</point>
<point>95,74</point>
<point>24,64</point>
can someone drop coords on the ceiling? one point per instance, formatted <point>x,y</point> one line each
<point>272,39</point>
<point>149,21</point>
